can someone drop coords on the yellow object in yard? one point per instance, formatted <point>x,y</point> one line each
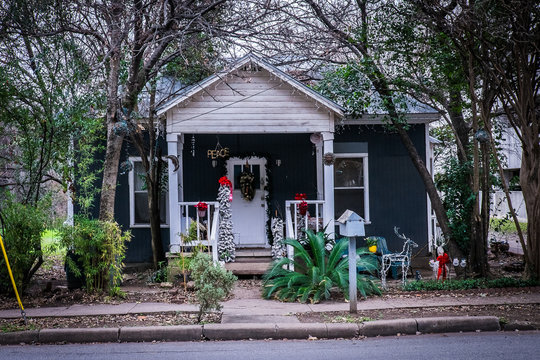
<point>12,279</point>
<point>373,248</point>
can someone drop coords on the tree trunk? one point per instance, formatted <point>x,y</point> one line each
<point>530,185</point>
<point>114,144</point>
<point>154,210</point>
<point>110,173</point>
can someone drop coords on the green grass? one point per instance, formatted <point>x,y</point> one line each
<point>506,226</point>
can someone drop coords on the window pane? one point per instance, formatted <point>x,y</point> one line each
<point>348,172</point>
<point>139,175</point>
<point>142,216</point>
<point>236,177</point>
<point>141,208</point>
<point>351,199</point>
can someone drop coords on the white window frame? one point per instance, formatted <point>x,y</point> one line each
<point>131,181</point>
<point>365,168</point>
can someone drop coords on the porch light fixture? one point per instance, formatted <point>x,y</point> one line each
<point>316,138</point>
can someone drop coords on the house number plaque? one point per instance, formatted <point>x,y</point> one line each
<point>218,153</point>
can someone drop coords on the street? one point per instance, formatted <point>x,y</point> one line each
<point>524,345</point>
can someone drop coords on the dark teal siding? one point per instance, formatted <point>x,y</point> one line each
<point>396,191</point>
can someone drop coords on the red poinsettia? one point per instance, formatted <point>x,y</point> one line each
<point>300,196</point>
<point>302,208</point>
<point>224,181</point>
<point>202,206</point>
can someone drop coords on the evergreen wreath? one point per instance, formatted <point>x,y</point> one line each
<point>246,185</point>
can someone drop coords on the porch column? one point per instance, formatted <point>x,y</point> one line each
<point>328,212</point>
<point>174,147</point>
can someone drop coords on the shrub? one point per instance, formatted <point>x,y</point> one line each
<point>317,270</point>
<point>213,283</point>
<point>100,247</point>
<point>466,284</point>
<point>22,228</point>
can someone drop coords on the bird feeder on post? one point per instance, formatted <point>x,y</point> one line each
<point>351,225</point>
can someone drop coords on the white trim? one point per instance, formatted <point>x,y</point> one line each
<point>379,119</point>
<point>429,164</point>
<point>328,175</point>
<point>365,170</point>
<point>173,144</point>
<point>131,182</point>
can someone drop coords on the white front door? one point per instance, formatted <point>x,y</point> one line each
<point>248,216</point>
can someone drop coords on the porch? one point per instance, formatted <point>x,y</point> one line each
<point>201,229</point>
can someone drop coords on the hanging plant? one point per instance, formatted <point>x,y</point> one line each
<point>247,179</point>
<point>202,207</point>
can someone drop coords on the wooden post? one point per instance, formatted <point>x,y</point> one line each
<point>352,275</point>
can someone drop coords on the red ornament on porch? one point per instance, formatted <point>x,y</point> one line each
<point>224,181</point>
<point>302,208</point>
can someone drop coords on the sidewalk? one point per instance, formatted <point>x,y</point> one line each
<point>261,307</point>
<point>255,318</point>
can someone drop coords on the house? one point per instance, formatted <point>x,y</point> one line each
<point>252,118</point>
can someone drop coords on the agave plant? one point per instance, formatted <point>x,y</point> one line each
<point>317,271</point>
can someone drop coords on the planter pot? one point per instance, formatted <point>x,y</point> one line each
<point>201,213</point>
<point>74,281</point>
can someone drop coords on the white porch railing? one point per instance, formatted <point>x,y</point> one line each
<point>189,213</point>
<point>294,222</point>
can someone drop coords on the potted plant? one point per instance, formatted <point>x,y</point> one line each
<point>202,207</point>
<point>371,244</point>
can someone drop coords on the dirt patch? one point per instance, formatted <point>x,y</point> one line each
<point>107,321</point>
<point>520,313</point>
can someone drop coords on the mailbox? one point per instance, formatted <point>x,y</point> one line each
<point>351,224</point>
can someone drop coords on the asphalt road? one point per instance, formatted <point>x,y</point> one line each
<point>518,345</point>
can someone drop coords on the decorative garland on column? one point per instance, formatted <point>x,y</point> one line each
<point>226,247</point>
<point>279,249</point>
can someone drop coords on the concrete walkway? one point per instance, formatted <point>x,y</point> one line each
<point>260,307</point>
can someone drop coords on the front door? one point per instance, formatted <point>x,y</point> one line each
<point>248,215</point>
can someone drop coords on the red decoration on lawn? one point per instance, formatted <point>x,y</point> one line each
<point>443,259</point>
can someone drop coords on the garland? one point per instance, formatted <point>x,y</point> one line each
<point>268,182</point>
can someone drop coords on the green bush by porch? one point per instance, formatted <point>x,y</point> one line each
<point>317,271</point>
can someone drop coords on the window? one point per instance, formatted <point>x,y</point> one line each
<point>351,185</point>
<point>138,197</point>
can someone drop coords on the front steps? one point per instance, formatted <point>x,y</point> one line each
<point>250,261</point>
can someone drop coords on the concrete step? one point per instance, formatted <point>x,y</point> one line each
<point>248,268</point>
<point>254,255</point>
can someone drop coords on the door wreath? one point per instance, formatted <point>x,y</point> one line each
<point>246,185</point>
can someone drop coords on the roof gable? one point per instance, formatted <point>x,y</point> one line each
<point>249,59</point>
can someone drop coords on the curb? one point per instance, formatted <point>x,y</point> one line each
<point>247,331</point>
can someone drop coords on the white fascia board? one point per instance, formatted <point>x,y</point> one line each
<point>418,118</point>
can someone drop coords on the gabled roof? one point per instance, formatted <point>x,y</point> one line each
<point>250,58</point>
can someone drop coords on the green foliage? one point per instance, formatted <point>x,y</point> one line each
<point>213,283</point>
<point>100,246</point>
<point>160,275</point>
<point>432,285</point>
<point>23,226</point>
<point>458,200</point>
<point>317,271</point>
<point>506,225</point>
